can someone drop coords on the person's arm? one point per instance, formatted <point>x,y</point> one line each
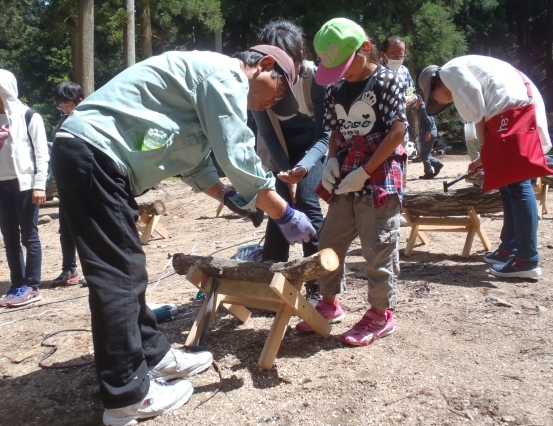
<point>411,97</point>
<point>466,91</point>
<point>481,135</point>
<point>40,149</point>
<point>321,136</point>
<point>221,108</point>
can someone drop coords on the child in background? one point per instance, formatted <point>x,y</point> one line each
<point>68,95</point>
<point>365,112</point>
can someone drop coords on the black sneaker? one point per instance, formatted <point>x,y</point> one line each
<point>427,176</point>
<point>66,278</point>
<point>437,169</point>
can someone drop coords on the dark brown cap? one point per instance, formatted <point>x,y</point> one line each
<point>288,105</point>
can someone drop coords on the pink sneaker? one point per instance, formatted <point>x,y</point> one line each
<point>333,313</point>
<point>371,327</point>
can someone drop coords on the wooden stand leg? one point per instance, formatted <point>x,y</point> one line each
<point>300,305</point>
<point>544,201</point>
<point>274,339</point>
<point>479,229</point>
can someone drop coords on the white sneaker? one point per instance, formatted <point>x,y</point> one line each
<point>177,365</point>
<point>161,397</point>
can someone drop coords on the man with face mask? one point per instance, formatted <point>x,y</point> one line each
<point>392,55</point>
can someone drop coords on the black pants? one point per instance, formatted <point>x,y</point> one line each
<point>101,213</point>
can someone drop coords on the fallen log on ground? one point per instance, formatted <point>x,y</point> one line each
<point>297,271</point>
<point>156,207</point>
<point>453,203</point>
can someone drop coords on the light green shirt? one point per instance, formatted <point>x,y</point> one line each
<point>198,101</point>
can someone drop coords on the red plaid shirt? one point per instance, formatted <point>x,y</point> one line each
<point>386,179</point>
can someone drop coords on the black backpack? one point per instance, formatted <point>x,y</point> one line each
<point>28,116</point>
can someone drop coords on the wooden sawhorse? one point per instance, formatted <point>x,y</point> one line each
<point>148,221</point>
<point>471,225</point>
<point>236,296</point>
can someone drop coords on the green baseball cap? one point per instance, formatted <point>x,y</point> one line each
<point>336,44</point>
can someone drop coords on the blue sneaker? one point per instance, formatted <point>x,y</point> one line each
<point>498,257</point>
<point>512,269</point>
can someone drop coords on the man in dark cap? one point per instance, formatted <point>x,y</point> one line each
<point>157,119</point>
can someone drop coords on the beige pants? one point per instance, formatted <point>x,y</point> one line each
<point>378,229</point>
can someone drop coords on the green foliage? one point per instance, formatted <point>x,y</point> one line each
<point>36,35</point>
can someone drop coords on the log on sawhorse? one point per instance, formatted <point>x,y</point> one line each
<point>471,225</point>
<point>148,221</point>
<point>268,287</point>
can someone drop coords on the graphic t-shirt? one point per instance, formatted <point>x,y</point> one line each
<point>366,107</point>
<point>363,112</point>
<point>7,170</point>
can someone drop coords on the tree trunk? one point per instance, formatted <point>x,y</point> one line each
<point>76,53</point>
<point>453,203</point>
<point>86,44</point>
<point>219,41</point>
<point>128,35</point>
<point>145,24</point>
<point>296,271</point>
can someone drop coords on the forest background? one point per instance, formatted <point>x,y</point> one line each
<point>39,39</point>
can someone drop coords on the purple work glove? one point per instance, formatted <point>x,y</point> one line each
<point>295,226</point>
<point>231,199</point>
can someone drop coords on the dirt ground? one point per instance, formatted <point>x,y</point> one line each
<point>456,358</point>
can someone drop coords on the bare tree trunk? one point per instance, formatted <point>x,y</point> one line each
<point>86,44</point>
<point>128,36</point>
<point>76,53</point>
<point>145,23</point>
<point>219,41</point>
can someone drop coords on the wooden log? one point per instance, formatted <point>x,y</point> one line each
<point>547,180</point>
<point>296,271</point>
<point>452,203</point>
<point>156,207</point>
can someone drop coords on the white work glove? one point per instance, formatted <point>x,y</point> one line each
<point>353,182</point>
<point>330,173</point>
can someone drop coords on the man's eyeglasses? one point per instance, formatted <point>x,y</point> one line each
<point>282,89</point>
<point>396,57</point>
<point>66,107</point>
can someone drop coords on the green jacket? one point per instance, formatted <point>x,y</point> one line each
<point>197,101</point>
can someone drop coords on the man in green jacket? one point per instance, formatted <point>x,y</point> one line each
<point>157,119</point>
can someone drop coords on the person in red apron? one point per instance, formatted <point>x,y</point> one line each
<point>503,103</point>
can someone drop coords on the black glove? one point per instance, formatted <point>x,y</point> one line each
<point>256,217</point>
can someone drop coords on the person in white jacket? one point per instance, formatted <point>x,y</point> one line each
<point>23,171</point>
<point>482,88</point>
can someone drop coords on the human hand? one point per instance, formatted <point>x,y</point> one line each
<point>38,196</point>
<point>229,200</point>
<point>293,176</point>
<point>353,182</point>
<point>331,172</point>
<point>473,166</point>
<point>428,136</point>
<point>295,226</point>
